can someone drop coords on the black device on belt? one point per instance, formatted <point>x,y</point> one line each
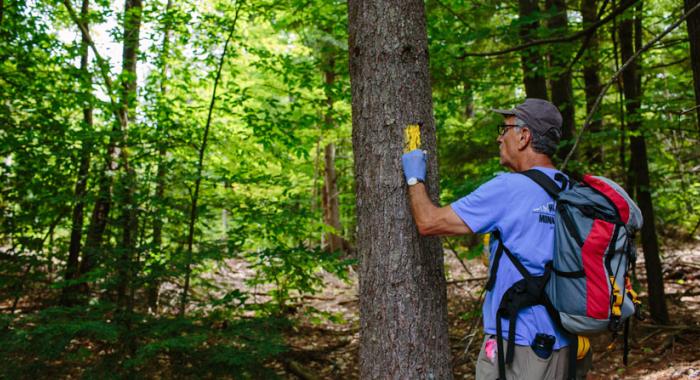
<point>543,345</point>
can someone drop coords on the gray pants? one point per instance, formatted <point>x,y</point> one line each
<point>526,364</point>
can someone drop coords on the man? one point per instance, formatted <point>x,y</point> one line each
<point>518,210</point>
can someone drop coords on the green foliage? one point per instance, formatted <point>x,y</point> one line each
<point>295,270</point>
<point>92,344</point>
<point>284,95</point>
<point>38,344</point>
<point>466,88</point>
<point>210,348</point>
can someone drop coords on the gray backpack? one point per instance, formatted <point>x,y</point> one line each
<point>586,289</point>
<point>594,252</point>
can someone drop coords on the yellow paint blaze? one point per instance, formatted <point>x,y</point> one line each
<point>412,137</point>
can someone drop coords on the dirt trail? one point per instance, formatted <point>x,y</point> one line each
<point>328,350</point>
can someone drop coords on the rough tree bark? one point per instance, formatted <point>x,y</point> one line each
<point>630,38</point>
<point>591,79</point>
<point>69,294</point>
<point>403,312</point>
<point>560,83</point>
<point>693,23</point>
<point>331,207</point>
<point>531,59</point>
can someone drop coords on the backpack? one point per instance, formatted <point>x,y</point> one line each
<point>586,289</point>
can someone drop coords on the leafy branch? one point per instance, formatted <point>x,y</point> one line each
<point>200,164</point>
<point>101,62</point>
<point>554,40</point>
<point>614,78</point>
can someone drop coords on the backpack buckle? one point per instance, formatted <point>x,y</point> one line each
<point>615,324</point>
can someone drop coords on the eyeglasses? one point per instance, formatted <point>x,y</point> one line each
<point>503,128</point>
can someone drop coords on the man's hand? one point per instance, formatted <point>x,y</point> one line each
<point>414,165</point>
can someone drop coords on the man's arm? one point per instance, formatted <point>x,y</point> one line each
<point>432,220</point>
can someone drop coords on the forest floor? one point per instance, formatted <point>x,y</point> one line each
<point>329,350</point>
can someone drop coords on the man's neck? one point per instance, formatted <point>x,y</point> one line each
<point>534,160</point>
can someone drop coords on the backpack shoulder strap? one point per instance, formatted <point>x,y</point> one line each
<point>551,187</point>
<point>500,250</point>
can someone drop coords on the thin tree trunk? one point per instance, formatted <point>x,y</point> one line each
<point>200,166</point>
<point>468,98</point>
<point>562,92</point>
<point>69,293</point>
<point>129,210</point>
<point>103,203</point>
<point>640,169</point>
<point>331,207</point>
<point>129,221</point>
<point>403,305</point>
<point>531,59</point>
<point>153,283</point>
<point>99,216</point>
<point>621,104</point>
<point>693,23</point>
<point>591,79</point>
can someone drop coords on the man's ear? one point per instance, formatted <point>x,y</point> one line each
<point>524,139</point>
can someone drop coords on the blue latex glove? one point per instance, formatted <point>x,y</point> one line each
<point>414,164</point>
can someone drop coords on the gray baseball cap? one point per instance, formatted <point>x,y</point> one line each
<point>538,114</point>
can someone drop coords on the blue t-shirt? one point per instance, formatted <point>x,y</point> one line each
<point>523,213</point>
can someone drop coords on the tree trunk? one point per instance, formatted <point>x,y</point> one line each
<point>99,216</point>
<point>531,59</point>
<point>153,284</point>
<point>693,23</point>
<point>468,99</point>
<point>403,308</point>
<point>103,204</point>
<point>640,168</point>
<point>622,152</point>
<point>560,83</point>
<point>200,167</point>
<point>69,293</point>
<point>591,79</point>
<point>132,28</point>
<point>331,209</point>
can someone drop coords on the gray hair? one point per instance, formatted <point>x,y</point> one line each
<point>542,143</point>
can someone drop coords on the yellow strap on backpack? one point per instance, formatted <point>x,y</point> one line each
<point>583,346</point>
<point>631,292</point>
<point>486,252</point>
<point>617,298</point>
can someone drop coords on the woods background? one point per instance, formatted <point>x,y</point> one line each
<point>148,146</point>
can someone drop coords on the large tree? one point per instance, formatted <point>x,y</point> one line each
<point>560,81</point>
<point>531,59</point>
<point>630,41</point>
<point>591,78</point>
<point>403,313</point>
